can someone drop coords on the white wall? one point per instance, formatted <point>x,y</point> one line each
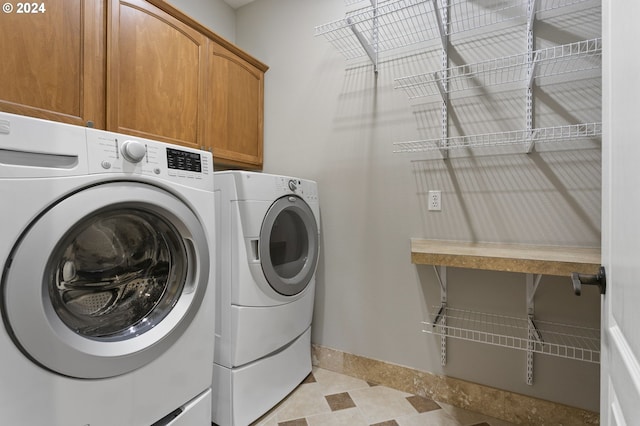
<point>334,121</point>
<point>216,15</point>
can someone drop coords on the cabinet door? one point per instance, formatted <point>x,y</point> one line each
<point>53,60</point>
<point>235,108</point>
<point>156,75</point>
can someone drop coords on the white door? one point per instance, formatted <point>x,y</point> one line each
<point>620,377</point>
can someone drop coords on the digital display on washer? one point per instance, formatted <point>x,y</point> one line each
<point>184,160</point>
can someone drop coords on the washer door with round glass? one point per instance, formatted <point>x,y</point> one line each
<point>106,280</point>
<point>289,245</point>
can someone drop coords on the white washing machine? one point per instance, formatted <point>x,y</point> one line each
<point>267,230</point>
<point>106,247</point>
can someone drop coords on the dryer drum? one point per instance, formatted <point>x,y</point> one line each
<point>289,245</point>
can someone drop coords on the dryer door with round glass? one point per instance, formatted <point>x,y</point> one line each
<point>289,245</point>
<point>106,280</point>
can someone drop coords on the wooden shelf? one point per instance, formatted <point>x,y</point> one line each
<point>530,259</point>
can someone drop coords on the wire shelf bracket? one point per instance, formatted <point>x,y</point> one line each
<point>441,275</point>
<point>442,29</point>
<point>532,282</point>
<point>442,16</point>
<point>371,50</point>
<point>531,65</point>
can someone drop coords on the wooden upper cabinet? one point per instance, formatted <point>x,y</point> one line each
<point>53,63</point>
<point>156,75</point>
<point>233,115</point>
<point>235,109</point>
<point>135,67</point>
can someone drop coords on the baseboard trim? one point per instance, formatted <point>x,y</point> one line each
<point>504,405</point>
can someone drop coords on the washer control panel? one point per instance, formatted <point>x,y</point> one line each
<point>115,153</point>
<point>133,151</point>
<point>187,161</point>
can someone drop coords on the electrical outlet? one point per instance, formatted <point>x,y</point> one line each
<point>435,201</point>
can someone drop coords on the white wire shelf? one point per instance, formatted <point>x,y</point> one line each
<point>515,137</point>
<point>350,2</point>
<point>557,60</point>
<point>466,15</point>
<point>399,23</point>
<point>561,340</point>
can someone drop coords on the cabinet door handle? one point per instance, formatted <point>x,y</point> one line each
<point>599,279</point>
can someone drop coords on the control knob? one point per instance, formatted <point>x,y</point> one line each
<point>292,185</point>
<point>133,151</point>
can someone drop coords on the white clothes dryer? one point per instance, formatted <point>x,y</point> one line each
<point>106,249</point>
<point>268,232</point>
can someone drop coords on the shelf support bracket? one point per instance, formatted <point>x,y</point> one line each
<point>372,52</point>
<point>441,275</point>
<point>370,49</point>
<point>531,65</point>
<point>441,317</point>
<point>532,286</point>
<point>533,134</point>
<point>442,16</point>
<point>441,85</point>
<point>440,22</point>
<point>531,72</point>
<point>533,335</point>
<point>531,15</point>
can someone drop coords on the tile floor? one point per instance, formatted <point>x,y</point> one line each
<point>326,398</point>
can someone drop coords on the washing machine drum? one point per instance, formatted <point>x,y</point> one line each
<point>106,280</point>
<point>289,245</point>
<point>117,274</point>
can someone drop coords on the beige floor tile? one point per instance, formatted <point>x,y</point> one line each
<point>348,417</point>
<point>380,403</point>
<point>307,400</point>
<point>431,418</point>
<point>267,421</point>
<point>374,404</point>
<point>333,383</point>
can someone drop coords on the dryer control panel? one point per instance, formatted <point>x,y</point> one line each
<point>301,187</point>
<point>116,153</point>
